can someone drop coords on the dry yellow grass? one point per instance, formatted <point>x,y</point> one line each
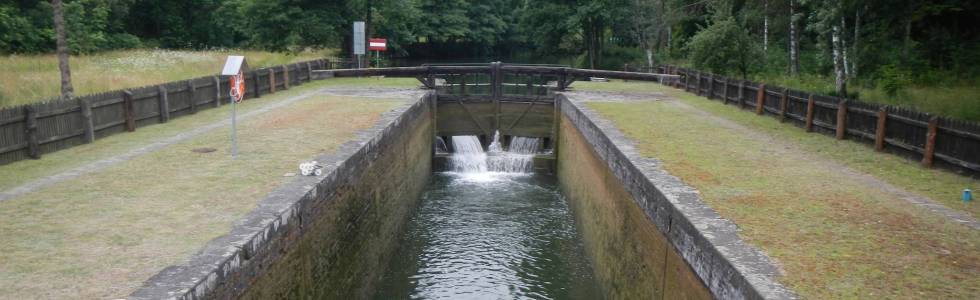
<point>102,235</point>
<point>32,78</point>
<point>835,237</point>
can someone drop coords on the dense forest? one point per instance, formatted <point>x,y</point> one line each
<point>887,44</point>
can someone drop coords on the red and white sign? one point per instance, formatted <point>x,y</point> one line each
<point>377,44</point>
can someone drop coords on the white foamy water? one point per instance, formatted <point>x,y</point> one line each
<point>470,159</point>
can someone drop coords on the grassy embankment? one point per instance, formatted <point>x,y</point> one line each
<point>101,235</point>
<point>30,78</point>
<point>834,236</point>
<point>959,98</point>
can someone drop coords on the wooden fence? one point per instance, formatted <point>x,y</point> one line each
<point>28,131</point>
<point>932,139</point>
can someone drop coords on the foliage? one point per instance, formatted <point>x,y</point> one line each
<point>725,48</point>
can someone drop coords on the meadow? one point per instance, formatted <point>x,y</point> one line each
<point>33,78</point>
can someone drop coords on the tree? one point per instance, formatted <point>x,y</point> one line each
<point>794,40</point>
<point>62,45</point>
<point>724,47</point>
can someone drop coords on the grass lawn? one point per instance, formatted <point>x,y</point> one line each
<point>833,237</point>
<point>101,235</point>
<point>30,78</point>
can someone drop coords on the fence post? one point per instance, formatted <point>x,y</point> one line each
<point>930,150</point>
<point>192,92</point>
<point>626,68</point>
<point>128,112</point>
<point>30,131</point>
<point>687,80</point>
<point>272,80</point>
<point>87,120</point>
<point>760,99</point>
<point>164,104</point>
<point>309,72</point>
<point>217,90</point>
<point>711,86</point>
<point>841,119</point>
<point>783,104</point>
<point>258,91</point>
<point>810,106</point>
<point>741,94</point>
<point>880,129</point>
<point>285,77</point>
<point>724,91</point>
<point>697,88</point>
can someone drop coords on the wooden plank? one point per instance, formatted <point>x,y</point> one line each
<point>880,129</point>
<point>272,80</point>
<point>783,105</point>
<point>258,92</point>
<point>697,81</point>
<point>164,102</point>
<point>30,132</point>
<point>741,94</point>
<point>760,99</point>
<point>309,72</point>
<point>129,114</point>
<point>930,149</point>
<point>841,119</point>
<point>192,95</point>
<point>285,77</point>
<point>86,119</point>
<point>217,90</point>
<point>711,86</point>
<point>724,91</point>
<point>810,107</point>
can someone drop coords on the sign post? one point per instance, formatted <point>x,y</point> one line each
<point>377,45</point>
<point>235,67</point>
<point>358,41</point>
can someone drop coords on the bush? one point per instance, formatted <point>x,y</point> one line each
<point>122,41</point>
<point>725,48</point>
<point>892,80</point>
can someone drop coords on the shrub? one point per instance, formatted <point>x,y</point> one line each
<point>725,47</point>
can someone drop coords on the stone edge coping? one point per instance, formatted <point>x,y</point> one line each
<point>285,207</point>
<point>727,265</point>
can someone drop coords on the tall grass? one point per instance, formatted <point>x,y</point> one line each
<point>31,78</point>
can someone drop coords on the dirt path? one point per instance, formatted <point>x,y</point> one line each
<point>781,147</point>
<point>95,166</point>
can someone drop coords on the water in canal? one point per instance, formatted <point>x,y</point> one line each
<point>490,229</point>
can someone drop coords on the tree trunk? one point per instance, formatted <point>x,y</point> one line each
<point>67,91</point>
<point>794,43</point>
<point>843,47</point>
<point>649,59</point>
<point>854,45</point>
<point>765,27</point>
<point>841,83</point>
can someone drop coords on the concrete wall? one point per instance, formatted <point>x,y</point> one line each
<point>323,237</point>
<point>648,234</point>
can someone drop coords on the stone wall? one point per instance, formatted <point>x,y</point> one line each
<point>648,234</point>
<point>325,237</point>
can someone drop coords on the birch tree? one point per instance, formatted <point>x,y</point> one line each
<point>794,40</point>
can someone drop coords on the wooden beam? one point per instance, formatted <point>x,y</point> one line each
<point>309,72</point>
<point>87,123</point>
<point>841,119</point>
<point>810,106</point>
<point>192,91</point>
<point>519,118</point>
<point>880,130</point>
<point>30,132</point>
<point>741,94</point>
<point>285,77</point>
<point>258,91</point>
<point>724,91</point>
<point>128,113</point>
<point>217,91</point>
<point>163,103</point>
<point>930,149</point>
<point>760,99</point>
<point>272,80</point>
<point>783,104</point>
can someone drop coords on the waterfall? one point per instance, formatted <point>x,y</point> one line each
<point>469,156</point>
<point>441,146</point>
<point>519,157</point>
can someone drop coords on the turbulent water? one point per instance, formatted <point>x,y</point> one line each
<point>490,230</point>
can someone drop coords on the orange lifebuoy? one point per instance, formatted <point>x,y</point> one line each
<point>237,90</point>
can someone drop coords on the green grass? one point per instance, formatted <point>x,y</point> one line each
<point>30,78</point>
<point>101,235</point>
<point>833,237</point>
<point>959,99</point>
